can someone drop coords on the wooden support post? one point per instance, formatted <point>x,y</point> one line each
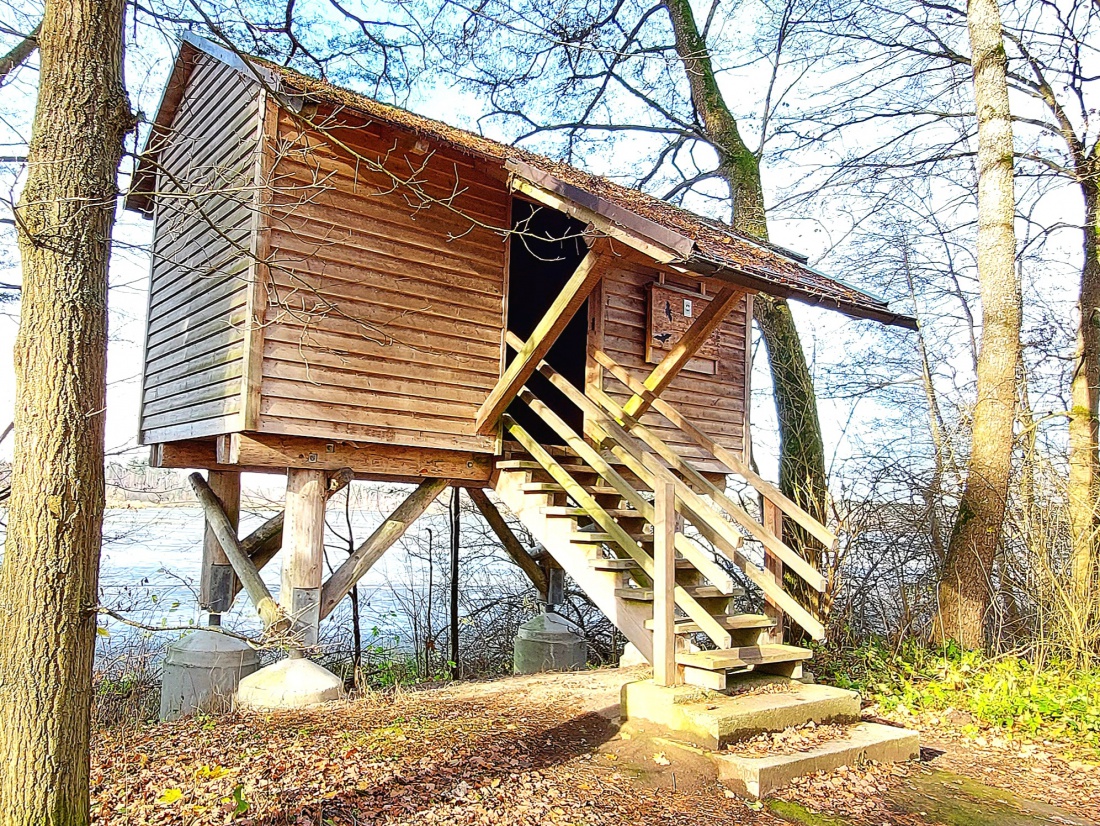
<point>561,312</point>
<point>263,543</point>
<point>510,542</point>
<point>555,586</point>
<point>303,551</point>
<point>665,670</point>
<point>217,583</point>
<point>269,611</point>
<point>358,563</point>
<point>773,568</point>
<point>685,349</point>
<point>456,538</point>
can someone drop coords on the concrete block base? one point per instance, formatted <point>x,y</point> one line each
<point>289,683</point>
<point>711,720</point>
<point>759,776</point>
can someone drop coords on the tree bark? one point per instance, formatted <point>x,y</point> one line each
<point>1084,462</point>
<point>802,450</point>
<point>48,580</point>
<point>965,590</point>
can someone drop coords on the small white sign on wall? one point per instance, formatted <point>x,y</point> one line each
<point>687,308</point>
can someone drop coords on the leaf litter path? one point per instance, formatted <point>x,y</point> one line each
<point>524,750</point>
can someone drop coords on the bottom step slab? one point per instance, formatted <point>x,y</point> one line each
<point>758,777</point>
<point>713,721</point>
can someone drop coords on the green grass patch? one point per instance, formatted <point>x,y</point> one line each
<point>1010,693</point>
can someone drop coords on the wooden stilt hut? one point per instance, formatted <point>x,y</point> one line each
<point>343,290</point>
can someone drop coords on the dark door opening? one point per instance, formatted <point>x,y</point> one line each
<point>545,252</point>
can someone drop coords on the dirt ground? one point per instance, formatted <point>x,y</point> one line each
<point>542,750</point>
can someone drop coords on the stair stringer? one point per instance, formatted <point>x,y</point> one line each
<point>555,535</point>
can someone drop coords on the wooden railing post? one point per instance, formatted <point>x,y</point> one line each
<point>773,567</point>
<point>665,670</point>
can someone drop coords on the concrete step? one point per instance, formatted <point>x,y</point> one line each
<point>758,777</point>
<point>711,720</point>
<point>732,622</point>
<point>726,658</point>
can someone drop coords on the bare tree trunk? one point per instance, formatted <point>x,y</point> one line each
<point>802,451</point>
<point>1084,462</point>
<point>965,590</point>
<point>48,580</point>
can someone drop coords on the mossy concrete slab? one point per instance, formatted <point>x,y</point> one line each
<point>951,799</point>
<point>712,720</point>
<point>757,777</point>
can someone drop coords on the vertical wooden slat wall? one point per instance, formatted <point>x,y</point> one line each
<point>200,270</point>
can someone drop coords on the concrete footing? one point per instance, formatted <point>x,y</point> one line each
<point>291,683</point>
<point>202,672</point>
<point>759,776</point>
<point>712,720</point>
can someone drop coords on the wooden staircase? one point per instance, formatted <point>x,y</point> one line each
<point>623,513</point>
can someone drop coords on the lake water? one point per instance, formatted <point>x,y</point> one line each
<point>152,557</point>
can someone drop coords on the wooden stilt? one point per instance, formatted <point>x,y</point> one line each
<point>263,543</point>
<point>510,542</point>
<point>304,548</point>
<point>665,671</point>
<point>773,567</point>
<point>356,565</point>
<point>269,611</point>
<point>217,583</point>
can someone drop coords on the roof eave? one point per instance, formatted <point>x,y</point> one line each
<point>872,311</point>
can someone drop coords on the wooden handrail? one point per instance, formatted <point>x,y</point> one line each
<point>789,507</point>
<point>584,499</point>
<point>743,518</point>
<point>701,513</point>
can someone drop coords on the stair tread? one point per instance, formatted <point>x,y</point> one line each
<point>726,658</point>
<point>565,511</point>
<point>697,591</point>
<point>530,464</point>
<point>602,537</point>
<point>731,622</point>
<point>631,565</point>
<point>554,487</point>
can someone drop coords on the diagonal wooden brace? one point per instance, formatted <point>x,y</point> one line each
<point>273,617</point>
<point>685,349</point>
<point>363,558</point>
<point>510,542</point>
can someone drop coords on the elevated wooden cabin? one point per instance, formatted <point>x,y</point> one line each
<point>337,284</point>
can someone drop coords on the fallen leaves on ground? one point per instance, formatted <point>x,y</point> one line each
<point>411,757</point>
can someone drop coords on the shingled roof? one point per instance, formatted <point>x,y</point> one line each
<point>694,242</point>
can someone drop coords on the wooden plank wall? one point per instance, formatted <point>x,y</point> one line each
<point>200,270</point>
<point>386,316</point>
<point>714,403</point>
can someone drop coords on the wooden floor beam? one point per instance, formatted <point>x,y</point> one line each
<point>584,279</point>
<point>685,349</point>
